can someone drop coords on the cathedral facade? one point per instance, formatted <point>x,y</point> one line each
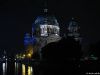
<point>46,29</point>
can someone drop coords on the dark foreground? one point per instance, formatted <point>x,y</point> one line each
<point>50,68</point>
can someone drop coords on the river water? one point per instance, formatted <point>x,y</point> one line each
<point>14,68</point>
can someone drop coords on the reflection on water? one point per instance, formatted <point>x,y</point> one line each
<point>30,70</point>
<point>18,68</point>
<point>4,68</point>
<point>27,70</point>
<point>23,69</point>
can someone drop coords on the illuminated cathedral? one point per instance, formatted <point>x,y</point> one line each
<point>45,30</point>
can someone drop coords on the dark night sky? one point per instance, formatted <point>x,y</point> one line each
<point>16,17</point>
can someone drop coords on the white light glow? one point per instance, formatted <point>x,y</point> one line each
<point>49,29</point>
<point>4,67</point>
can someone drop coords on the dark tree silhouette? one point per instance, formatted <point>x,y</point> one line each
<point>60,57</point>
<point>62,50</point>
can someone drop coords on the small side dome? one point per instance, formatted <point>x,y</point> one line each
<point>73,26</point>
<point>74,29</point>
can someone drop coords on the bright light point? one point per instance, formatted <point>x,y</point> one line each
<point>6,58</point>
<point>29,55</point>
<point>3,56</point>
<point>23,55</point>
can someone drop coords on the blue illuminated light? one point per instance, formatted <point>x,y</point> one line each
<point>29,40</point>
